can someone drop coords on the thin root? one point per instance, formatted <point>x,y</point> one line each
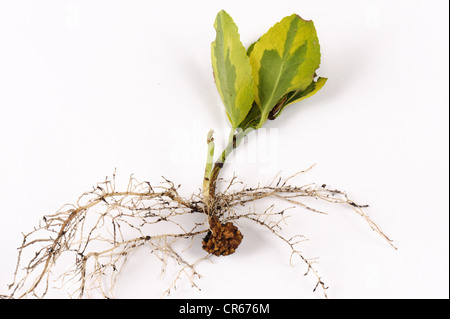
<point>106,226</point>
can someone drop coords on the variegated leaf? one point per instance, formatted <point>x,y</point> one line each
<point>232,70</point>
<point>296,96</point>
<point>284,60</point>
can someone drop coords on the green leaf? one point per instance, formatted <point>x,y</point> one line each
<point>232,70</point>
<point>296,96</point>
<point>252,119</point>
<point>284,60</point>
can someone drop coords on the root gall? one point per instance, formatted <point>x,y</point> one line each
<point>222,239</point>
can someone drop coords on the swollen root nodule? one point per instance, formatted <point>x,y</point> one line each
<point>106,226</point>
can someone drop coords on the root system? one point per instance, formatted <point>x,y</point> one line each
<point>106,226</point>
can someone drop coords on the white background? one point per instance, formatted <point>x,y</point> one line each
<point>87,87</point>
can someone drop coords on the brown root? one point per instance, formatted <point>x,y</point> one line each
<point>106,226</point>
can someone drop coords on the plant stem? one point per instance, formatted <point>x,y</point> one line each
<point>212,172</point>
<point>209,165</point>
<point>221,161</point>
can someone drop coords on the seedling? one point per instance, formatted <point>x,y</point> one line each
<point>106,225</point>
